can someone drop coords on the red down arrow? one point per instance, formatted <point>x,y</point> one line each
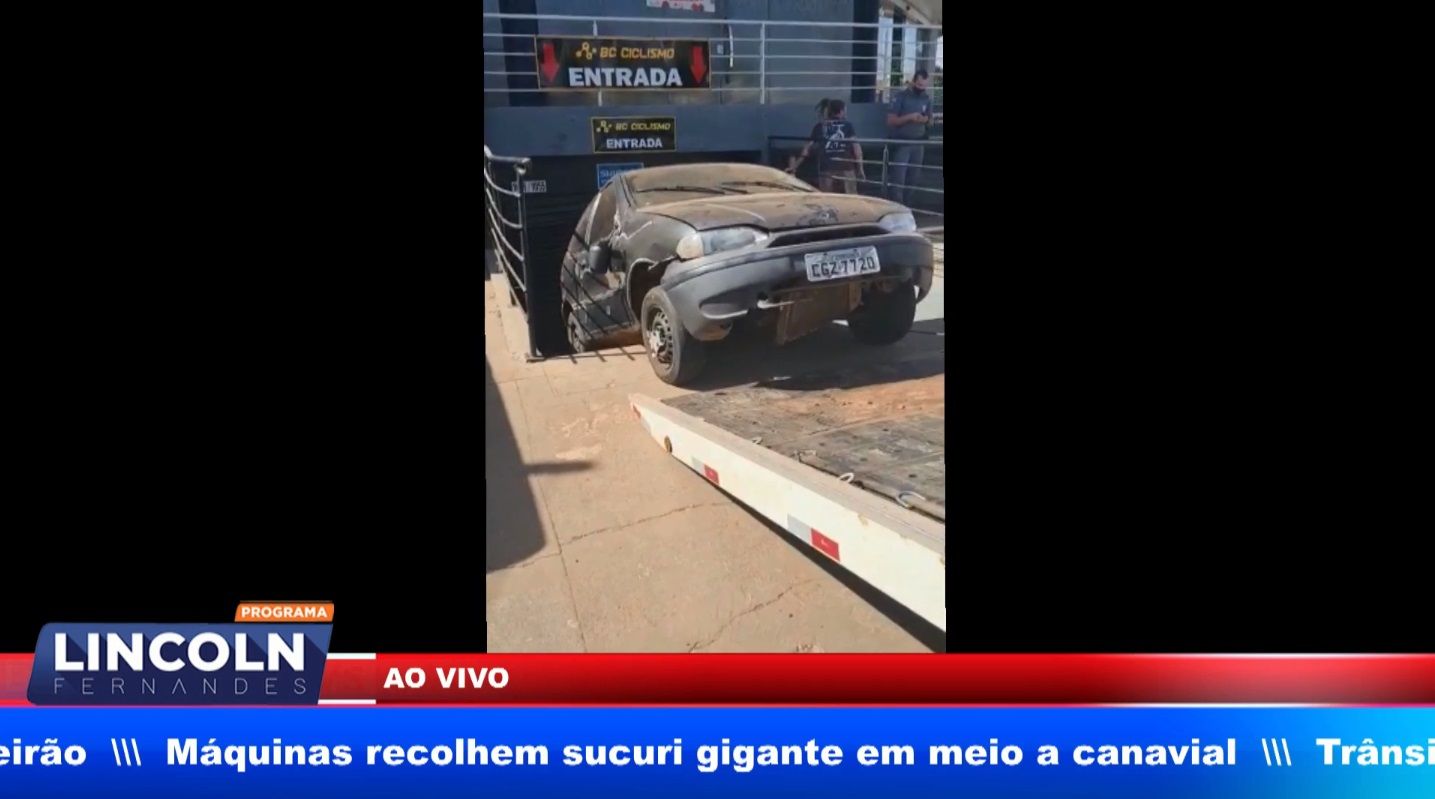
<point>700,67</point>
<point>549,63</point>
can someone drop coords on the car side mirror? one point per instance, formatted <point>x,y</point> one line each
<point>598,258</point>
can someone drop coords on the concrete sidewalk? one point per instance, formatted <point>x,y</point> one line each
<point>599,541</point>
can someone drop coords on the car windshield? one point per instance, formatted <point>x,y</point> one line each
<point>786,186</point>
<point>691,189</point>
<point>665,184</point>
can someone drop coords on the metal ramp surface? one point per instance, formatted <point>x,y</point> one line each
<point>883,425</point>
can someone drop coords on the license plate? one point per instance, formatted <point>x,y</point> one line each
<point>842,263</point>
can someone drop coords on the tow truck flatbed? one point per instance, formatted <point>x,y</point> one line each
<point>851,462</point>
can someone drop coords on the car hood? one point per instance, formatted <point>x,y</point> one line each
<point>776,211</point>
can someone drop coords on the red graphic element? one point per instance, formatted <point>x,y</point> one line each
<point>711,474</point>
<point>700,67</point>
<point>825,545</point>
<point>549,63</point>
<point>593,679</point>
<point>875,679</point>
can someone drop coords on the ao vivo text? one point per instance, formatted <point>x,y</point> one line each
<point>451,677</point>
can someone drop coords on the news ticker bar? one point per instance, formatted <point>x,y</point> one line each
<point>631,679</point>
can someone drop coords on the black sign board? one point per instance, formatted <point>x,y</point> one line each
<point>634,134</point>
<point>595,62</point>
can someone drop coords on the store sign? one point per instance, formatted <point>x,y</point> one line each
<point>634,134</point>
<point>593,62</point>
<point>531,186</point>
<point>607,172</point>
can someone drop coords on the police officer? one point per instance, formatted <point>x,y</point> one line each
<point>908,116</point>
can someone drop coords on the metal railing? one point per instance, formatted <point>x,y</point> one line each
<point>514,259</point>
<point>764,61</point>
<point>498,225</point>
<point>897,180</point>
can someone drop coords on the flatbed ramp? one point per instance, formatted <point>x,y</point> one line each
<point>852,463</point>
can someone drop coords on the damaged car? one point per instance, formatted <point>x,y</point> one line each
<point>682,254</point>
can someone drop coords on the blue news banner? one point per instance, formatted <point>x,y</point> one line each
<point>829,752</point>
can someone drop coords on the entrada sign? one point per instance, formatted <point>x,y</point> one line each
<point>634,134</point>
<point>592,62</point>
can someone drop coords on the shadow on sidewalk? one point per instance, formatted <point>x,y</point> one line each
<point>513,530</point>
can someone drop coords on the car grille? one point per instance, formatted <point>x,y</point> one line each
<point>809,235</point>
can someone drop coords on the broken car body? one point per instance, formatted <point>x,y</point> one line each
<point>682,254</point>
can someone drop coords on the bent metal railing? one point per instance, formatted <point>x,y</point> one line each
<point>512,259</point>
<point>763,61</point>
<point>919,186</point>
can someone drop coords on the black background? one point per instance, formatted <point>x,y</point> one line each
<point>1187,414</point>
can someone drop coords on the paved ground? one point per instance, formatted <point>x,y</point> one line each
<point>599,541</point>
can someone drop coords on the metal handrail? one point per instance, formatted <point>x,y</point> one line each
<point>750,56</point>
<point>522,162</point>
<point>494,216</point>
<point>489,180</point>
<point>824,57</point>
<point>878,162</point>
<point>502,239</point>
<point>859,140</point>
<point>501,217</point>
<point>800,72</point>
<point>680,20</point>
<point>885,184</point>
<point>497,222</point>
<point>839,41</point>
<point>769,88</point>
<point>508,268</point>
<point>890,58</point>
<point>904,186</point>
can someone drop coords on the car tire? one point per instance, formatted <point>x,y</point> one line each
<point>884,317</point>
<point>676,357</point>
<point>577,339</point>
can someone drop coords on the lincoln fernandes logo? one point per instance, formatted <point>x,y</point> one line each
<point>179,664</point>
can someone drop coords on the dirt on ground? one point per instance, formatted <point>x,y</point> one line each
<point>870,403</point>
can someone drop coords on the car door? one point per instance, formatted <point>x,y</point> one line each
<point>595,294</point>
<point>576,256</point>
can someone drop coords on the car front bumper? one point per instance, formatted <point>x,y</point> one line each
<point>710,293</point>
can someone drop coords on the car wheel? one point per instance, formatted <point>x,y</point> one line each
<point>676,356</point>
<point>884,317</point>
<point>577,339</point>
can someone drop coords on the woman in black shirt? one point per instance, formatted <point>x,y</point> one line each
<point>840,159</point>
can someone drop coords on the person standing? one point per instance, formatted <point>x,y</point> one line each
<point>810,168</point>
<point>840,158</point>
<point>908,116</point>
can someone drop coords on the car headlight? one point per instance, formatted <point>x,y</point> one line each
<point>898,222</point>
<point>707,242</point>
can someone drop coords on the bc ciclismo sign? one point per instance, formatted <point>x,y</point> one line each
<point>593,62</point>
<point>634,134</point>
